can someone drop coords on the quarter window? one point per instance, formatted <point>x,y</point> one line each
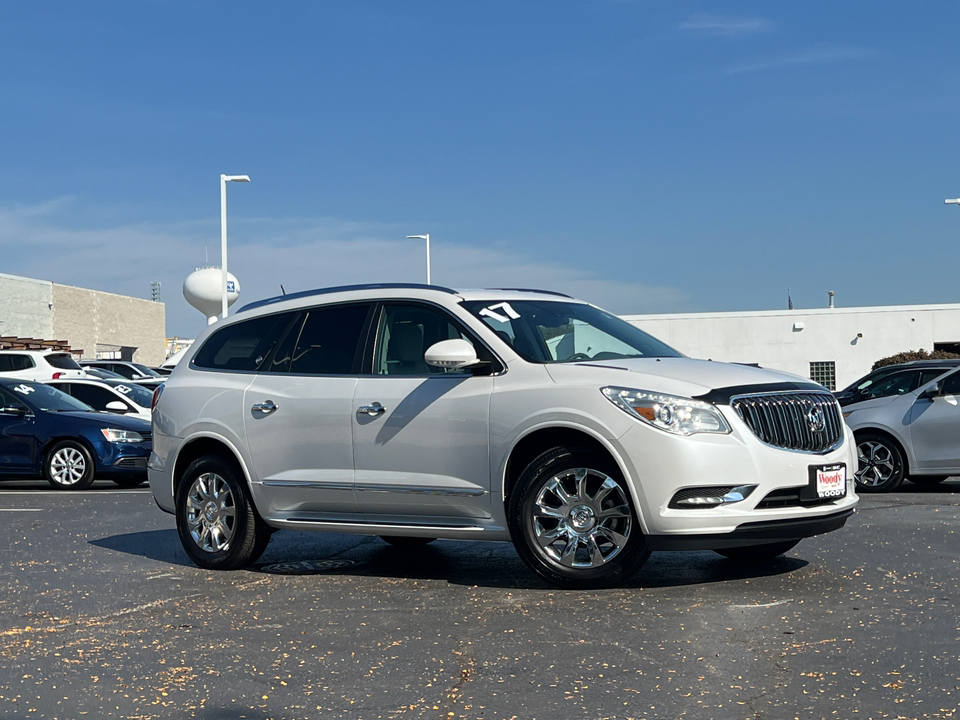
<point>242,346</point>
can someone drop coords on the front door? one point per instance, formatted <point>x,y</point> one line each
<point>420,434</point>
<point>935,428</point>
<point>18,442</point>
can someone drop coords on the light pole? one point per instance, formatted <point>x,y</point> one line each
<point>950,201</point>
<point>224,179</point>
<point>427,238</point>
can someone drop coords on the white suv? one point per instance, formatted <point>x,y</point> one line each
<point>38,365</point>
<point>416,412</point>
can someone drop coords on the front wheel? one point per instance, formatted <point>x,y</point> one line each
<point>757,553</point>
<point>216,521</point>
<point>881,464</point>
<point>69,466</point>
<point>573,523</point>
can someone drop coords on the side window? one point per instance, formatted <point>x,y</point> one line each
<point>896,384</point>
<point>406,331</point>
<point>951,384</point>
<point>9,400</point>
<point>94,396</point>
<point>127,372</point>
<point>328,342</point>
<point>928,375</point>
<point>243,345</point>
<point>12,363</point>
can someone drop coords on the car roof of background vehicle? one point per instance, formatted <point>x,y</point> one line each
<point>419,291</point>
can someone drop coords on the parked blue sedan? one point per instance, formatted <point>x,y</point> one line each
<point>45,432</point>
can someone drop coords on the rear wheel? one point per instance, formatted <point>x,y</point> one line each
<point>881,464</point>
<point>69,466</point>
<point>573,523</point>
<point>758,553</point>
<point>217,523</point>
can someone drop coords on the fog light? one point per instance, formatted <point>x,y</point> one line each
<point>709,497</point>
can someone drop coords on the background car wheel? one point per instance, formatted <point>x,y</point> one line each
<point>881,464</point>
<point>403,541</point>
<point>756,553</point>
<point>573,523</point>
<point>217,523</point>
<point>69,466</point>
<point>928,480</point>
<point>129,482</point>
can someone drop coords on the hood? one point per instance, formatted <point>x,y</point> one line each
<point>108,420</point>
<point>678,376</point>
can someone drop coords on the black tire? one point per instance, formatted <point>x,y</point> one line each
<point>927,480</point>
<point>129,482</point>
<point>218,526</point>
<point>881,464</point>
<point>757,553</point>
<point>573,523</point>
<point>69,466</point>
<point>403,541</point>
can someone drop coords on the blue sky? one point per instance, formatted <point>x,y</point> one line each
<point>647,156</point>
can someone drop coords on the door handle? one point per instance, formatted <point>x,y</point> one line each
<point>266,407</point>
<point>371,410</point>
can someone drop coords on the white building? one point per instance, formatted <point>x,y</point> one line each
<point>833,346</point>
<point>101,324</point>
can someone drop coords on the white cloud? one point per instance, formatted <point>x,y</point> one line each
<point>726,26</point>
<point>300,254</point>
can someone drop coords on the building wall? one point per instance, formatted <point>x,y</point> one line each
<point>26,307</point>
<point>88,318</point>
<point>789,340</point>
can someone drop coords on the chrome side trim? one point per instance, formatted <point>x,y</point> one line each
<point>308,484</point>
<point>421,490</point>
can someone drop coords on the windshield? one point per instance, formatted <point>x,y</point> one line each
<point>49,399</point>
<point>545,331</point>
<point>144,370</point>
<point>137,394</point>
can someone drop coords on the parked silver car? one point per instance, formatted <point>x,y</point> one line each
<point>416,413</point>
<point>913,434</point>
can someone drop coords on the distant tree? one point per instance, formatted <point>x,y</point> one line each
<point>909,355</point>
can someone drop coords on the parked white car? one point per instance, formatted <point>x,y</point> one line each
<point>415,413</point>
<point>38,365</point>
<point>121,397</point>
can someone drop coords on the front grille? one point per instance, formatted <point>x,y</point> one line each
<point>803,421</point>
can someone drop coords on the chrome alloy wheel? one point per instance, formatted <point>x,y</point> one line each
<point>582,518</point>
<point>877,463</point>
<point>68,466</point>
<point>211,513</point>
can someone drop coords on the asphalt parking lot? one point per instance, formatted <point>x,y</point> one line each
<point>103,616</point>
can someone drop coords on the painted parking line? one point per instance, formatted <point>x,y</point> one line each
<point>20,509</point>
<point>63,493</point>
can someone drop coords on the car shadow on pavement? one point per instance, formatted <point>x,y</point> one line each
<point>481,564</point>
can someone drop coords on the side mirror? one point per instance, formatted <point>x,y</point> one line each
<point>452,354</point>
<point>117,407</point>
<point>13,410</point>
<point>931,392</point>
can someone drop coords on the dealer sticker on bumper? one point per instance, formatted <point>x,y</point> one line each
<point>831,480</point>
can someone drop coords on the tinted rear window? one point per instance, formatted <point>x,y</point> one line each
<point>243,345</point>
<point>63,361</point>
<point>329,341</point>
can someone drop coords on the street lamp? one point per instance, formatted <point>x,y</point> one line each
<point>224,179</point>
<point>427,238</point>
<point>950,201</point>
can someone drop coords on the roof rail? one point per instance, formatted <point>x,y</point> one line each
<point>542,292</point>
<point>344,288</point>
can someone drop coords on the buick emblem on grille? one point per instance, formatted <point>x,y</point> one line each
<point>816,419</point>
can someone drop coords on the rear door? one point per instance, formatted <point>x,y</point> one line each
<point>297,414</point>
<point>421,434</point>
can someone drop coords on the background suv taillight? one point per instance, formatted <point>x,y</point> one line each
<point>57,375</point>
<point>156,397</point>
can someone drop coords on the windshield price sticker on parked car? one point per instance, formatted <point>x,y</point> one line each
<point>832,481</point>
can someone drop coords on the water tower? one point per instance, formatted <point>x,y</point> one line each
<point>204,290</point>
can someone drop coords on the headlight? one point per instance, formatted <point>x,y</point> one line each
<point>114,435</point>
<point>677,415</point>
